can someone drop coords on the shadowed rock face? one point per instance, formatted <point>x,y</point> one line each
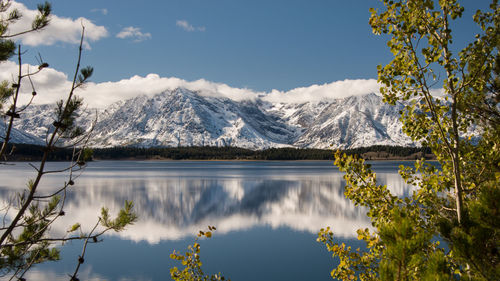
<point>19,136</point>
<point>185,118</point>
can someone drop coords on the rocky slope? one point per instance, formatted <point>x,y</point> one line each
<point>186,118</point>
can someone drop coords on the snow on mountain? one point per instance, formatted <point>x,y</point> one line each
<point>355,121</point>
<point>19,136</point>
<point>183,117</point>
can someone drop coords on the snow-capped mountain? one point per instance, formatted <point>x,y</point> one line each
<point>18,136</point>
<point>187,118</point>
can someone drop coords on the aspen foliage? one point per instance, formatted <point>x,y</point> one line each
<point>449,227</point>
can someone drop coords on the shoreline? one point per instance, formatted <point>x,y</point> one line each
<point>26,152</point>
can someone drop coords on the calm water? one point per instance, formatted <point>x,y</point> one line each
<point>267,216</point>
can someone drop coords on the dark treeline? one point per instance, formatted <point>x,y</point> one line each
<point>26,152</point>
<point>211,153</point>
<point>400,151</point>
<point>175,153</point>
<point>30,152</point>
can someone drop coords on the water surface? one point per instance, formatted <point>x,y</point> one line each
<point>267,216</point>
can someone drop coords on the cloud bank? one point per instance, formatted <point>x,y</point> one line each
<point>53,85</point>
<point>50,84</point>
<point>327,91</point>
<point>60,29</point>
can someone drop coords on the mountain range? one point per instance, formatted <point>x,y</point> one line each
<point>182,117</point>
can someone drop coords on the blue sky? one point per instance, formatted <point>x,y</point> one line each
<point>260,44</point>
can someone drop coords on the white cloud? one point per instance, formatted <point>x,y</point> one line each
<point>438,92</point>
<point>52,85</point>
<point>334,90</point>
<point>185,25</point>
<point>60,29</point>
<point>109,92</point>
<point>133,32</point>
<point>189,27</point>
<point>103,11</point>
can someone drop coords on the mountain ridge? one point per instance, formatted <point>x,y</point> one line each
<point>187,118</point>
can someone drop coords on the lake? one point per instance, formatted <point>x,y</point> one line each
<point>267,216</point>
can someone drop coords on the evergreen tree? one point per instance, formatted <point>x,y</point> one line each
<point>24,234</point>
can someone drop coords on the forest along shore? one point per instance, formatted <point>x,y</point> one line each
<point>26,152</point>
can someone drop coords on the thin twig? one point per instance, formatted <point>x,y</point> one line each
<point>81,257</point>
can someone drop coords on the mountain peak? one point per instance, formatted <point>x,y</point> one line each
<point>182,117</point>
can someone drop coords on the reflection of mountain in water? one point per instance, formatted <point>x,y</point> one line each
<point>173,207</point>
<point>177,207</point>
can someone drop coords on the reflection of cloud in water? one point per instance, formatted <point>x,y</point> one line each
<point>175,207</point>
<point>395,184</point>
<point>178,208</point>
<point>84,274</point>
